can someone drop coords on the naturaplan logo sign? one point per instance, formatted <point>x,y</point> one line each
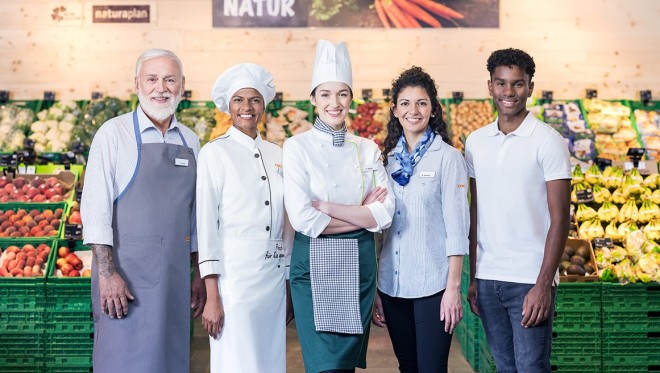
<point>121,13</point>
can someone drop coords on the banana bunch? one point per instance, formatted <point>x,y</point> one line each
<point>627,227</point>
<point>608,212</point>
<point>577,176</point>
<point>651,181</point>
<point>636,176</point>
<point>601,194</point>
<point>577,187</point>
<point>628,211</point>
<point>618,197</point>
<point>612,177</point>
<point>644,195</point>
<point>652,230</point>
<point>612,232</point>
<point>629,186</point>
<point>648,211</point>
<point>655,196</point>
<point>591,229</point>
<point>594,176</point>
<point>585,213</point>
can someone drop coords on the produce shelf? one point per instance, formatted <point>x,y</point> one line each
<point>41,207</point>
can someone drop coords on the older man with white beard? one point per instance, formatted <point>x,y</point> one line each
<point>138,211</point>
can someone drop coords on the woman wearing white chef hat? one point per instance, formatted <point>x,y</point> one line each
<point>335,191</point>
<point>240,222</point>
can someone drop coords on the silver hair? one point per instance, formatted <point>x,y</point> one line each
<point>155,53</point>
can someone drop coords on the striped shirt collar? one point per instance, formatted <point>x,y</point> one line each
<point>338,136</point>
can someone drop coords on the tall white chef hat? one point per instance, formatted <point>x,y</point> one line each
<point>237,77</point>
<point>332,64</point>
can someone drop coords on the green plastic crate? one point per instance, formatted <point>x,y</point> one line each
<point>19,295</point>
<point>576,342</point>
<point>633,321</point>
<point>579,297</point>
<point>486,361</point>
<point>69,360</point>
<point>67,293</point>
<point>68,369</point>
<point>17,343</point>
<point>577,321</point>
<point>68,344</point>
<point>22,321</point>
<point>631,297</point>
<point>37,368</point>
<point>630,343</point>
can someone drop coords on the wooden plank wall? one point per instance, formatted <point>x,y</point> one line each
<point>609,45</point>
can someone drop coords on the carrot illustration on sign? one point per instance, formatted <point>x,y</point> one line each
<point>409,13</point>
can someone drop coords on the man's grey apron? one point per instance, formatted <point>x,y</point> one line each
<point>151,225</point>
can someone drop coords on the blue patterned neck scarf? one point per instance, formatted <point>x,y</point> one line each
<point>338,136</point>
<point>407,160</point>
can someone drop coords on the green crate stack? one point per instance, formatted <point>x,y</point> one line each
<point>468,329</point>
<point>577,327</point>
<point>69,334</point>
<point>22,323</point>
<point>631,327</point>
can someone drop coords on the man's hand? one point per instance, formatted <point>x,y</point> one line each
<point>472,298</point>
<point>114,295</point>
<point>376,195</point>
<point>289,304</point>
<point>536,306</point>
<point>213,318</point>
<point>197,295</point>
<point>378,316</point>
<point>113,289</point>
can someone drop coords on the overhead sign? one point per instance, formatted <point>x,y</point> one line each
<point>356,13</point>
<point>121,13</point>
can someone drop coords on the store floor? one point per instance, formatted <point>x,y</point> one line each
<point>380,357</point>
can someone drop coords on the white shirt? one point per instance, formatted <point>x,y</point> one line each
<point>239,194</point>
<point>110,167</point>
<point>513,218</point>
<point>431,223</point>
<point>315,170</point>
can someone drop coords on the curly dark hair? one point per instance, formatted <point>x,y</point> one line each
<point>413,77</point>
<point>511,57</point>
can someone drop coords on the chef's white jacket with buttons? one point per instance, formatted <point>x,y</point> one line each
<point>230,169</point>
<point>315,170</point>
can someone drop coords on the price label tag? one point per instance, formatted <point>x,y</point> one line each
<point>584,196</point>
<point>31,170</point>
<point>629,166</point>
<point>73,231</point>
<point>599,243</point>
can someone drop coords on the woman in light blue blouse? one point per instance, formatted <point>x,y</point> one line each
<point>419,277</point>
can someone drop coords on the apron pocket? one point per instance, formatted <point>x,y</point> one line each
<point>139,259</point>
<point>335,279</point>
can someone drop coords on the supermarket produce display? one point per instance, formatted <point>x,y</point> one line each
<point>608,301</point>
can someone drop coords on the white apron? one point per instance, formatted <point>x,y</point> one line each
<point>253,294</point>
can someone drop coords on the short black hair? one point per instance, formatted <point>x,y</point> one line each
<point>511,57</point>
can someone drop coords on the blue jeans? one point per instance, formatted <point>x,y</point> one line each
<point>514,347</point>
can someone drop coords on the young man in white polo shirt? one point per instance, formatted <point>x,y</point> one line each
<point>520,175</point>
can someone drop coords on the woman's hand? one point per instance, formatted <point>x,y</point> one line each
<point>451,310</point>
<point>376,195</point>
<point>378,316</point>
<point>213,318</point>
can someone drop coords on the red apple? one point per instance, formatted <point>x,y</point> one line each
<point>60,262</point>
<point>32,191</point>
<point>75,218</point>
<point>9,188</point>
<point>66,268</point>
<point>63,251</point>
<point>51,181</point>
<point>37,181</point>
<point>39,198</point>
<point>49,193</point>
<point>73,273</point>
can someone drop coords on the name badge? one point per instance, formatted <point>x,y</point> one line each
<point>427,174</point>
<point>180,162</point>
<point>369,168</point>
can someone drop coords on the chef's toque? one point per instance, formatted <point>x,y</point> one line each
<point>332,64</point>
<point>244,75</point>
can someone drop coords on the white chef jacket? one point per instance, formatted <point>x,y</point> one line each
<point>110,167</point>
<point>237,195</point>
<point>315,170</point>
